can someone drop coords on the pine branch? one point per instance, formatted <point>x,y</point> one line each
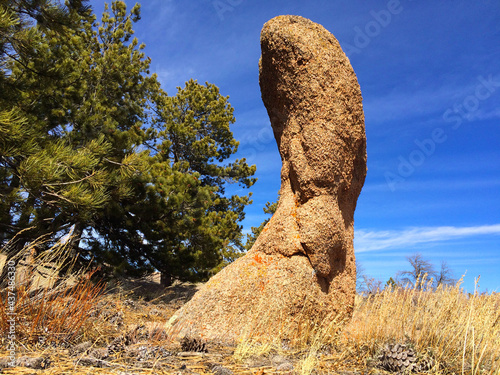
<point>71,182</point>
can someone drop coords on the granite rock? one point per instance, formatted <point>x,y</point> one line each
<point>302,266</point>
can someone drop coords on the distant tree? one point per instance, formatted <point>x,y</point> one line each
<point>360,277</point>
<point>270,209</point>
<point>445,275</point>
<point>419,268</point>
<point>391,284</point>
<point>371,285</point>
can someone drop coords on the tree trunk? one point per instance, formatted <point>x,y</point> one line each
<point>75,238</point>
<point>165,278</point>
<point>25,233</point>
<point>6,220</point>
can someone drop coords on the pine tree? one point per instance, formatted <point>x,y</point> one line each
<point>391,284</point>
<point>185,226</point>
<point>23,26</point>
<point>91,145</point>
<point>194,136</point>
<point>81,91</point>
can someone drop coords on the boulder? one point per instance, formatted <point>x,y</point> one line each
<point>301,270</point>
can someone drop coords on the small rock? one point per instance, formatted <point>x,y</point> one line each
<point>285,345</point>
<point>99,353</point>
<point>278,360</point>
<point>4,362</point>
<point>80,348</point>
<point>91,361</point>
<point>129,303</point>
<point>37,363</point>
<point>221,370</point>
<point>257,362</point>
<point>145,353</point>
<point>286,366</point>
<point>190,354</point>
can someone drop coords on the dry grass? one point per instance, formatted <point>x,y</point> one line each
<point>305,340</point>
<point>51,306</point>
<point>52,316</point>
<point>459,331</point>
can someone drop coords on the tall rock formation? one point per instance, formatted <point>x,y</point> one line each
<point>301,270</point>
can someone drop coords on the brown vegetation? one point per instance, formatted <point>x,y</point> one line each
<point>83,329</point>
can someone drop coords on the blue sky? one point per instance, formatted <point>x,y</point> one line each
<point>430,77</point>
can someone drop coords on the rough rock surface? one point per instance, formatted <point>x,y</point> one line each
<point>302,267</point>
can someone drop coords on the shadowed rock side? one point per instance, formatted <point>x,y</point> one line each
<point>302,266</point>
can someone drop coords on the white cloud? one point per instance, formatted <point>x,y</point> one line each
<point>487,115</point>
<point>437,185</point>
<point>403,103</point>
<point>377,240</point>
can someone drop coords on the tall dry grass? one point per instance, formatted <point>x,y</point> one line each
<point>460,332</point>
<point>304,337</point>
<point>50,301</point>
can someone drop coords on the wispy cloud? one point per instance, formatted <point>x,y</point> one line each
<point>172,77</point>
<point>436,185</point>
<point>405,102</point>
<point>378,240</point>
<point>487,115</point>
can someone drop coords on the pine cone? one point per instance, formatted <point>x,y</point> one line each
<point>189,344</point>
<point>397,358</point>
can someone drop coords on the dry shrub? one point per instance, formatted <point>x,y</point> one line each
<point>460,331</point>
<point>50,306</point>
